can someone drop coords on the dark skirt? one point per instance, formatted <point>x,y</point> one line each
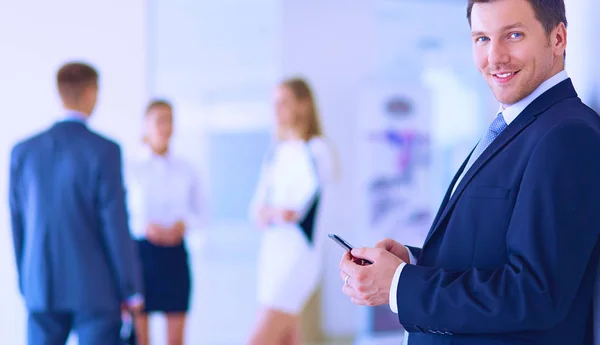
<point>166,275</point>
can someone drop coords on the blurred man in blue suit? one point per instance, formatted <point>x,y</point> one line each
<point>76,261</point>
<point>512,254</point>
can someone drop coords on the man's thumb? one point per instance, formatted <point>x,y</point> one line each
<point>364,253</point>
<point>385,244</point>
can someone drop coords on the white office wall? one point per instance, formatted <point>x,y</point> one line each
<point>36,37</point>
<point>582,47</point>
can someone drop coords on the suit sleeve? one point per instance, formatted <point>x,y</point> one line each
<point>550,244</point>
<point>121,249</point>
<point>16,213</point>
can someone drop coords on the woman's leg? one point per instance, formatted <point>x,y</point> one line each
<point>273,327</point>
<point>294,335</point>
<point>175,328</point>
<point>142,336</point>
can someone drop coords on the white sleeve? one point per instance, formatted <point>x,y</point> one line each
<point>259,199</point>
<point>134,200</point>
<point>196,214</point>
<point>396,279</point>
<point>394,288</point>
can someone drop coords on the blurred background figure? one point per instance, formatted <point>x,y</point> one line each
<point>165,202</point>
<point>76,261</point>
<point>285,206</point>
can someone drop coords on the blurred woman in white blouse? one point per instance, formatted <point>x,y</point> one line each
<point>285,207</point>
<point>164,201</point>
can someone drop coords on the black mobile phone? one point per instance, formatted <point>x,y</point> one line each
<point>348,247</point>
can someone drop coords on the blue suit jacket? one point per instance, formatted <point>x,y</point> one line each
<point>69,222</point>
<point>511,257</point>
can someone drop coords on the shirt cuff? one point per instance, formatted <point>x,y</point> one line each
<point>135,300</point>
<point>394,288</point>
<point>412,258</point>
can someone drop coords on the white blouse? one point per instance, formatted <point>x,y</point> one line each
<point>288,160</point>
<point>162,190</point>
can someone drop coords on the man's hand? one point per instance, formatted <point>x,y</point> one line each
<point>134,305</point>
<point>369,285</point>
<point>395,248</point>
<point>136,309</point>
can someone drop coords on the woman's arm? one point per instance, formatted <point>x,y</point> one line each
<point>259,211</point>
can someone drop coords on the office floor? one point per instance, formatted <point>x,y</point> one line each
<point>223,298</point>
<point>223,291</point>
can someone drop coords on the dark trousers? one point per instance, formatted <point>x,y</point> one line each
<point>92,328</point>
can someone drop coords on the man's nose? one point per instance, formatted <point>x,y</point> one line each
<point>498,54</point>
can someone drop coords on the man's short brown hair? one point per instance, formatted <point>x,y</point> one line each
<point>548,12</point>
<point>73,79</point>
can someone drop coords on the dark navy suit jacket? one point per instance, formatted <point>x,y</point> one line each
<point>511,257</point>
<point>69,222</point>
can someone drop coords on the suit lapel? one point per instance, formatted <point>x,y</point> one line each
<point>504,138</point>
<point>539,105</point>
<point>447,195</point>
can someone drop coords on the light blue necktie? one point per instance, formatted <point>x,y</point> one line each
<point>497,126</point>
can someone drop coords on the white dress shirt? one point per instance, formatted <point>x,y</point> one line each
<point>510,113</point>
<point>162,190</point>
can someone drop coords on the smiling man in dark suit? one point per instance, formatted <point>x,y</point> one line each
<point>512,254</point>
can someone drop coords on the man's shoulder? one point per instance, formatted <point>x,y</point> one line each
<point>29,142</point>
<point>572,110</point>
<point>565,123</point>
<point>97,144</point>
<point>104,141</point>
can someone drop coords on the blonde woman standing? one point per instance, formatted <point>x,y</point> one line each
<point>285,207</point>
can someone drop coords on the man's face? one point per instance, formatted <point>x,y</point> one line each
<point>512,50</point>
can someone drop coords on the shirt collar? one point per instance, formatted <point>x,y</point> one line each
<point>75,116</point>
<point>511,112</point>
<point>147,153</point>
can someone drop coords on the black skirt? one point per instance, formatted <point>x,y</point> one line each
<point>166,275</point>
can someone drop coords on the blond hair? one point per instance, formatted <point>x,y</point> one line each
<point>311,124</point>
